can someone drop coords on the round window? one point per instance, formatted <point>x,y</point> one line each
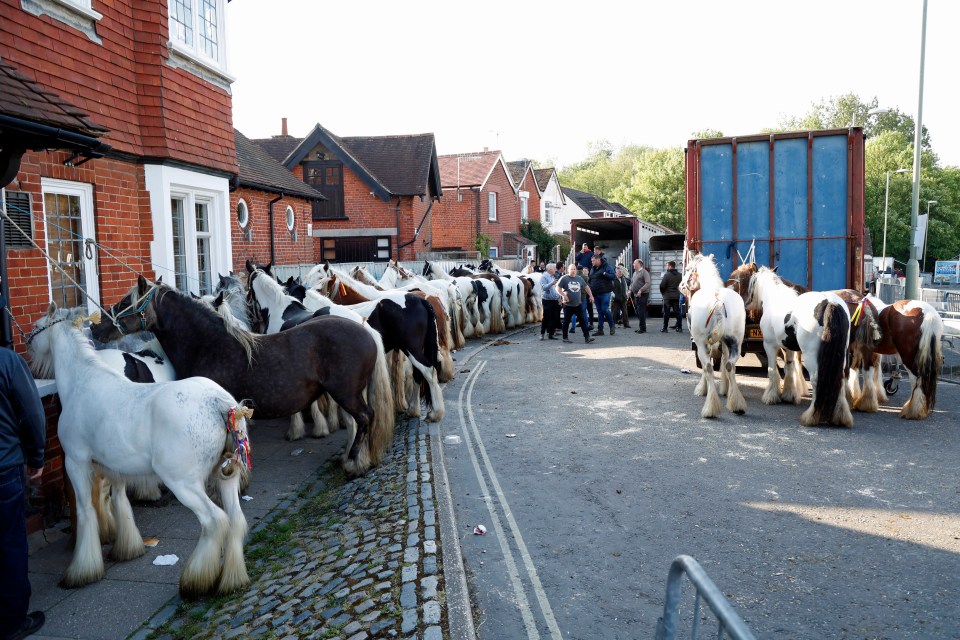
<point>291,218</point>
<point>243,213</point>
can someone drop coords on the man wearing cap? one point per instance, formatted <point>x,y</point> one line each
<point>640,289</point>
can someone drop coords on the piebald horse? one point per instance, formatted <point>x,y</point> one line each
<point>181,433</point>
<point>471,292</point>
<point>716,316</point>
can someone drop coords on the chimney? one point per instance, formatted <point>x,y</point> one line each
<point>283,127</point>
<point>485,149</point>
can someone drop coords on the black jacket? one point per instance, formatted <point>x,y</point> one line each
<point>601,278</point>
<point>22,423</point>
<point>670,285</point>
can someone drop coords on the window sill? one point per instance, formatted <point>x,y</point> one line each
<point>330,219</point>
<point>82,19</point>
<point>183,58</point>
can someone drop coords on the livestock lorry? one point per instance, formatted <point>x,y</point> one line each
<point>795,198</point>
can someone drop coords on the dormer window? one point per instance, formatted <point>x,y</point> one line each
<point>197,32</point>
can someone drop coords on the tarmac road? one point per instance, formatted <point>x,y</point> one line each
<point>591,470</point>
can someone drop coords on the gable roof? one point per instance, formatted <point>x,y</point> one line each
<point>542,176</point>
<point>470,169</point>
<point>621,209</point>
<point>517,169</point>
<point>257,169</point>
<point>34,117</point>
<point>404,165</point>
<point>279,147</point>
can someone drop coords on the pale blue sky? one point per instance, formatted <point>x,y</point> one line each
<point>542,79</point>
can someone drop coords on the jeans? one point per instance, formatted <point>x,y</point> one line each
<point>15,593</point>
<point>602,301</point>
<point>571,313</point>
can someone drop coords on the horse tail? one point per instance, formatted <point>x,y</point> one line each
<point>929,359</point>
<point>233,477</point>
<point>397,369</point>
<point>456,315</point>
<point>381,400</point>
<point>496,311</point>
<point>831,360</point>
<point>714,322</point>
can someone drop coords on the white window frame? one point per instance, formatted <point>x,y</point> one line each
<point>547,212</point>
<point>492,206</point>
<point>242,205</point>
<point>291,218</point>
<point>165,183</point>
<point>494,252</point>
<point>78,14</point>
<point>84,192</point>
<point>192,52</point>
<point>524,209</point>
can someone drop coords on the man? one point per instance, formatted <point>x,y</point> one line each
<point>22,440</point>
<point>640,289</point>
<point>551,303</point>
<point>571,288</point>
<point>621,296</point>
<point>601,284</point>
<point>583,258</point>
<point>670,288</point>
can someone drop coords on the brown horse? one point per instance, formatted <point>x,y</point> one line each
<point>910,329</point>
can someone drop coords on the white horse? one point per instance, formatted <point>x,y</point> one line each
<point>470,291</point>
<point>717,318</point>
<point>182,433</point>
<point>395,277</point>
<point>767,293</point>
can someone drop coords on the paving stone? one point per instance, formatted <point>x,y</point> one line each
<point>433,633</point>
<point>351,628</point>
<point>409,572</point>
<point>428,588</point>
<point>430,565</point>
<point>408,596</point>
<point>409,622</point>
<point>431,612</point>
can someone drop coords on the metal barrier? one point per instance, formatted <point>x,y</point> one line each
<point>727,619</point>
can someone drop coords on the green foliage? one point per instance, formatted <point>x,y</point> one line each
<point>655,188</point>
<point>706,133</point>
<point>482,244</point>
<point>545,240</point>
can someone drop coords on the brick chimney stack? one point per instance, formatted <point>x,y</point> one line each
<point>283,128</point>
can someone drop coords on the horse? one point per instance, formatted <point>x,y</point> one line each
<point>910,329</point>
<point>470,293</point>
<point>181,433</point>
<point>717,318</point>
<point>345,290</point>
<point>514,294</point>
<point>279,312</point>
<point>395,277</point>
<point>531,295</point>
<point>818,325</point>
<point>489,298</point>
<point>330,355</point>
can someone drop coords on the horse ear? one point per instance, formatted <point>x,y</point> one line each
<point>142,284</point>
<point>52,308</point>
<point>775,268</point>
<point>249,266</point>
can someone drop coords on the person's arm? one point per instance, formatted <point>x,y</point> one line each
<point>589,293</point>
<point>29,409</point>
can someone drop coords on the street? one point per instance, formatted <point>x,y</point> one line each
<point>591,470</point>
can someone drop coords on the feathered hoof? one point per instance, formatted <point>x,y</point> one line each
<point>770,397</point>
<point>435,415</point>
<point>121,553</point>
<point>809,418</point>
<point>909,411</point>
<point>232,580</point>
<point>74,579</point>
<point>866,404</point>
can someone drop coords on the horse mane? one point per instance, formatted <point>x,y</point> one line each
<point>706,266</point>
<point>364,289</point>
<point>247,340</point>
<point>42,364</point>
<point>275,296</point>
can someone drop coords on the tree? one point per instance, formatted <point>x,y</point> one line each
<point>655,189</point>
<point>706,133</point>
<point>535,231</point>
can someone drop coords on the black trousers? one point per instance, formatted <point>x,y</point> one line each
<point>15,592</point>
<point>551,317</point>
<point>621,312</point>
<point>671,308</point>
<point>578,313</point>
<point>640,307</point>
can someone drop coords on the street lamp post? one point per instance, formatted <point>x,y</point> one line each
<point>927,233</point>
<point>886,209</point>
<point>911,290</point>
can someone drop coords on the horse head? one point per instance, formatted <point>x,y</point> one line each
<point>427,269</point>
<point>134,312</point>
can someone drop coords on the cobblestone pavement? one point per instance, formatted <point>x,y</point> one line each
<point>348,560</point>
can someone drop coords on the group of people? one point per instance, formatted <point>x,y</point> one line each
<point>591,278</point>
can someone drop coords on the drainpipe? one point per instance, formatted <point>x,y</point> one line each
<point>396,210</point>
<point>273,249</point>
<point>416,232</point>
<point>476,192</point>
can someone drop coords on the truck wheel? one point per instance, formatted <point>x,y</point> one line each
<point>716,362</point>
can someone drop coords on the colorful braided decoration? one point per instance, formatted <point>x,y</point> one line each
<point>241,443</point>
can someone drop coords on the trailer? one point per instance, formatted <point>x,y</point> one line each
<point>623,239</point>
<point>663,249</point>
<point>796,199</point>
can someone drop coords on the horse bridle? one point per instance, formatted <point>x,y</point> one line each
<point>37,331</point>
<point>138,307</point>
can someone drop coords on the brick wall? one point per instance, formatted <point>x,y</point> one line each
<point>455,221</point>
<point>123,226</point>
<point>287,250</point>
<point>125,83</point>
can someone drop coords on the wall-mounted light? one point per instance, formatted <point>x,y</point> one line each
<point>321,155</point>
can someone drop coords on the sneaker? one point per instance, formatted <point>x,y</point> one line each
<point>552,337</point>
<point>612,331</point>
<point>32,624</point>
<point>598,332</point>
<point>588,340</point>
<point>664,330</point>
<point>568,340</point>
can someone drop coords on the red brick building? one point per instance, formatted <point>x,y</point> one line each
<point>380,191</point>
<point>117,154</point>
<point>273,211</point>
<point>480,199</point>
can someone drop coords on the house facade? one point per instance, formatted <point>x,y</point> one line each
<point>380,192</point>
<point>116,156</point>
<point>480,201</point>
<point>552,201</point>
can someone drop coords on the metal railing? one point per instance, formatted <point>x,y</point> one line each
<point>727,619</point>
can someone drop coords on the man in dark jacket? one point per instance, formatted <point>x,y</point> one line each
<point>583,258</point>
<point>670,288</point>
<point>621,297</point>
<point>601,284</point>
<point>22,441</point>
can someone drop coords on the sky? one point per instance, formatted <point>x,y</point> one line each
<point>545,80</point>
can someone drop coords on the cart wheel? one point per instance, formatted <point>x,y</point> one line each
<point>891,386</point>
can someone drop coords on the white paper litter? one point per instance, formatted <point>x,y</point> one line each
<point>511,435</point>
<point>684,370</point>
<point>479,530</point>
<point>451,440</point>
<point>165,561</point>
<point>296,452</point>
<point>246,498</point>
